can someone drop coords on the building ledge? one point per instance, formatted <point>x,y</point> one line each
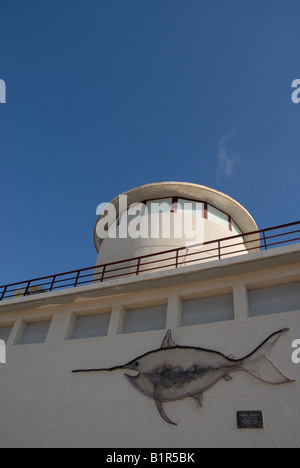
<point>255,261</point>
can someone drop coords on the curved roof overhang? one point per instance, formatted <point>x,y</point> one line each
<point>192,191</point>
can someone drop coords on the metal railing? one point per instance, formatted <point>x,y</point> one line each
<point>168,259</point>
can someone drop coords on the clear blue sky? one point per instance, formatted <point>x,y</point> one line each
<point>107,95</point>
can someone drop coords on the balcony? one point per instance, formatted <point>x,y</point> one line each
<point>218,249</point>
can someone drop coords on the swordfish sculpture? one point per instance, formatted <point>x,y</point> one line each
<point>175,372</point>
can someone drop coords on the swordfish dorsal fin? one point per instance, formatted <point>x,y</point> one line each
<point>167,341</point>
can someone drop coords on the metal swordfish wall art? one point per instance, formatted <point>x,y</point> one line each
<point>175,372</point>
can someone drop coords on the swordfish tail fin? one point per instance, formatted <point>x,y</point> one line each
<point>259,364</point>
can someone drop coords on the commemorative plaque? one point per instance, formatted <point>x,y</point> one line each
<point>250,420</point>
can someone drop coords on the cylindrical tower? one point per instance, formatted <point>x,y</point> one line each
<point>163,216</point>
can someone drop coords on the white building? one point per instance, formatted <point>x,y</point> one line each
<point>228,293</point>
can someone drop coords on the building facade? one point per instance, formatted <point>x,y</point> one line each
<point>228,295</point>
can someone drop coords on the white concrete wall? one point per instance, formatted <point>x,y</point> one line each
<point>44,405</point>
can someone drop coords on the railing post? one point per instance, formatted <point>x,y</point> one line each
<point>77,278</point>
<point>53,282</point>
<point>3,293</point>
<point>177,258</point>
<point>138,266</point>
<point>27,288</point>
<point>219,249</point>
<point>265,240</point>
<point>103,273</point>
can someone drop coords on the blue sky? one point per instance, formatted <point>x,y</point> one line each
<point>107,95</point>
